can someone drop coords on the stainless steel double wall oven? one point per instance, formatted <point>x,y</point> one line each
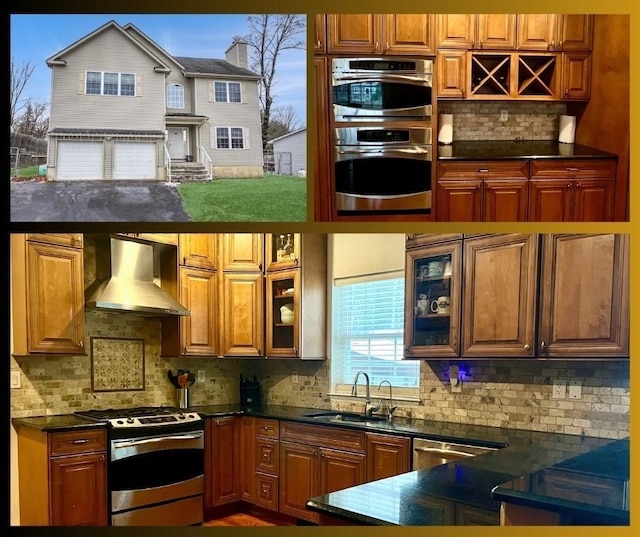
<point>382,134</point>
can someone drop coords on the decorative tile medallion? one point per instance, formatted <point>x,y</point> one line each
<point>117,364</point>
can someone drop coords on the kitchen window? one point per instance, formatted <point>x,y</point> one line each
<point>227,92</point>
<point>230,138</point>
<point>367,335</point>
<point>117,84</point>
<point>175,96</point>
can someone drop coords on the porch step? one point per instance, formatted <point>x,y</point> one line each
<point>189,172</point>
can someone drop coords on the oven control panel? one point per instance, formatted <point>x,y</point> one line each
<point>151,421</point>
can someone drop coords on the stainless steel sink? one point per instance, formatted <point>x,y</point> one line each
<point>334,415</point>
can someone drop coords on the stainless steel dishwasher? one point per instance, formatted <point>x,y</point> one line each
<point>429,453</point>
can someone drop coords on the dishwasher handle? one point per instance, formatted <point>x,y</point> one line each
<point>443,451</point>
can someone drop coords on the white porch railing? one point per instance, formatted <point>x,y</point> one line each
<point>167,162</point>
<point>205,159</point>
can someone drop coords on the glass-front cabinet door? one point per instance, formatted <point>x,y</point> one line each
<point>432,305</point>
<point>283,251</point>
<point>283,313</point>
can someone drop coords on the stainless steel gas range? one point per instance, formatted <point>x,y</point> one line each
<point>155,473</point>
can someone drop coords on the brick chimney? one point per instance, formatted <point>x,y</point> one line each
<point>237,53</point>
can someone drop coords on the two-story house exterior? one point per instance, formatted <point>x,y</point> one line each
<point>124,108</point>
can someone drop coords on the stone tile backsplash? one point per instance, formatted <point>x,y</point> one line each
<point>473,120</point>
<point>505,393</point>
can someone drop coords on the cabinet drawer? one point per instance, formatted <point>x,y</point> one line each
<point>267,456</point>
<point>75,240</point>
<point>267,428</point>
<point>266,491</point>
<point>484,169</point>
<point>571,168</point>
<point>330,437</point>
<point>82,441</point>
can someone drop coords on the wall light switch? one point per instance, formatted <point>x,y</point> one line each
<point>504,115</point>
<point>559,389</point>
<point>294,377</point>
<point>575,389</point>
<point>454,379</point>
<point>202,376</point>
<point>16,381</point>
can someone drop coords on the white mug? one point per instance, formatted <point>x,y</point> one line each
<point>441,305</point>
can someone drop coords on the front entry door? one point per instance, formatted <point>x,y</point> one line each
<point>177,142</point>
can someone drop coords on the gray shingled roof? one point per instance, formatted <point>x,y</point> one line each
<point>212,67</point>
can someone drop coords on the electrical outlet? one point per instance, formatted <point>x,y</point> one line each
<point>504,115</point>
<point>575,389</point>
<point>202,377</point>
<point>294,377</point>
<point>16,381</point>
<point>559,389</point>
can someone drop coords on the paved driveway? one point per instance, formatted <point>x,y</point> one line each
<point>96,201</point>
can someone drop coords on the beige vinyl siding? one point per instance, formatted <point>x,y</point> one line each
<point>245,114</point>
<point>109,51</point>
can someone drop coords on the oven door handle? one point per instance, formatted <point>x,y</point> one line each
<point>416,153</point>
<point>418,79</point>
<point>131,443</point>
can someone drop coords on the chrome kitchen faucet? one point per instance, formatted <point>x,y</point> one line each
<point>369,409</point>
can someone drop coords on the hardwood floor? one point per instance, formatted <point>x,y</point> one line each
<point>248,519</point>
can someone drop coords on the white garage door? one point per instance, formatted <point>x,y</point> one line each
<point>80,160</point>
<point>134,160</point>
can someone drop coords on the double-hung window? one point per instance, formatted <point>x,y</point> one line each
<point>227,92</point>
<point>175,96</point>
<point>367,315</point>
<point>103,83</point>
<point>230,138</point>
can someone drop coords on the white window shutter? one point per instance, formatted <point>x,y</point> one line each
<point>211,91</point>
<point>243,97</point>
<point>138,85</point>
<point>212,138</point>
<point>245,138</point>
<point>81,88</point>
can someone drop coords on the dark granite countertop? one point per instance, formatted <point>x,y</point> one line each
<point>404,499</point>
<point>521,149</point>
<point>60,422</point>
<point>590,487</point>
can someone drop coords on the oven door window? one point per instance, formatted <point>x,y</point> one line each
<point>381,95</point>
<point>155,469</point>
<point>383,176</point>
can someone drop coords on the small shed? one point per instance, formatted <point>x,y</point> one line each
<point>290,153</point>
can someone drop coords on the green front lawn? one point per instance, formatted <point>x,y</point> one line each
<point>272,198</point>
<point>25,172</point>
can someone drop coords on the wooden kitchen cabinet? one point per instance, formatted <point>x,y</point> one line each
<point>432,273</point>
<point>576,75</point>
<point>241,316</point>
<point>452,74</point>
<point>47,285</point>
<point>468,515</point>
<point>160,238</point>
<point>62,477</point>
<point>222,461</point>
<point>536,31</point>
<point>73,240</point>
<point>500,281</point>
<point>572,190</point>
<point>340,470</point>
<point>198,250</point>
<point>387,455</point>
<point>282,251</point>
<point>320,43</point>
<point>242,252</point>
<point>323,165</point>
<point>415,240</point>
<point>584,296</point>
<point>475,31</point>
<point>482,191</point>
<point>381,34</point>
<point>298,479</point>
<point>247,458</point>
<point>267,463</point>
<point>575,32</point>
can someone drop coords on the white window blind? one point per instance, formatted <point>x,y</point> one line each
<point>367,333</point>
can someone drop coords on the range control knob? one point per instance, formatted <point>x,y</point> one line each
<point>119,422</point>
<point>129,420</point>
<point>181,416</point>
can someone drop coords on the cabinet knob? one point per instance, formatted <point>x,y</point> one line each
<point>185,349</point>
<point>527,347</point>
<point>560,45</point>
<point>578,185</point>
<point>259,266</point>
<point>318,44</point>
<point>81,344</point>
<point>184,260</point>
<point>464,92</point>
<point>569,185</point>
<point>480,44</point>
<point>295,351</point>
<point>543,346</point>
<point>101,459</point>
<point>473,43</point>
<point>265,456</point>
<point>386,46</point>
<point>376,49</point>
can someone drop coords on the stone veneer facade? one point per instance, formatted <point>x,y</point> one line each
<point>474,120</point>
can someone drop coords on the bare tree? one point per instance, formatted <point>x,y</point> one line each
<point>283,120</point>
<point>20,76</point>
<point>33,120</point>
<point>270,34</point>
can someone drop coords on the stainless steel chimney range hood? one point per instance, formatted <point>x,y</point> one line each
<point>131,288</point>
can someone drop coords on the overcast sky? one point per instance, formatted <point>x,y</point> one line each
<point>35,38</point>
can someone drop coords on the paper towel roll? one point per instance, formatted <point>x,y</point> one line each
<point>567,130</point>
<point>445,132</point>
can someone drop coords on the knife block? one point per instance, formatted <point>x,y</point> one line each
<point>250,396</point>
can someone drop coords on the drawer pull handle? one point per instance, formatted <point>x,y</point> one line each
<point>83,441</point>
<point>482,170</point>
<point>573,169</point>
<point>264,456</point>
